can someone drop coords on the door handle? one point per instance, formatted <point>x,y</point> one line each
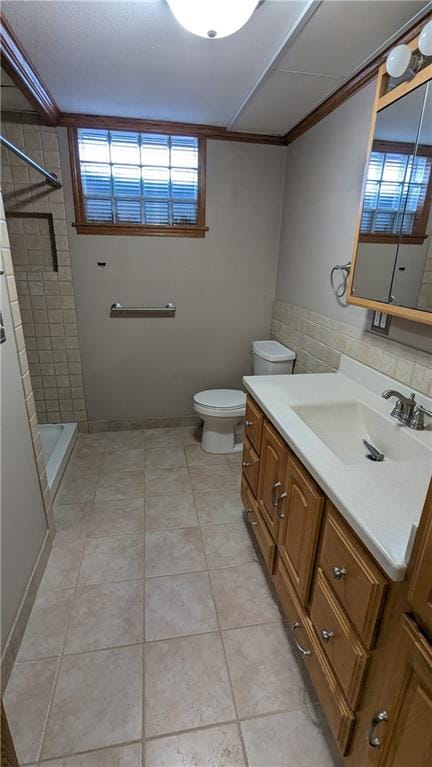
<point>275,500</point>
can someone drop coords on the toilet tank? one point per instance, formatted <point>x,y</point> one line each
<point>271,358</point>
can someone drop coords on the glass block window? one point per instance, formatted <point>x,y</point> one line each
<point>142,179</point>
<point>397,194</point>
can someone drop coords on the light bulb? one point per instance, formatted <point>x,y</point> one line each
<point>398,60</point>
<point>212,18</point>
<point>425,40</point>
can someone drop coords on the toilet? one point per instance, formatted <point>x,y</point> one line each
<point>223,409</point>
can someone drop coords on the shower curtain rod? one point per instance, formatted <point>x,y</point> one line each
<point>51,178</point>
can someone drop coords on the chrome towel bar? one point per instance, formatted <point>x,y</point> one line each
<point>117,310</point>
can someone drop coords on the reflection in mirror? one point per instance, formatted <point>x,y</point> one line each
<point>396,204</point>
<point>412,280</point>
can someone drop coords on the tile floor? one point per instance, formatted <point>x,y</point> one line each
<point>154,638</point>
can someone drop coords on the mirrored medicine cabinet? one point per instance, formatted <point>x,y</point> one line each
<point>392,261</point>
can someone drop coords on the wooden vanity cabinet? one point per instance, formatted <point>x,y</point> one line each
<point>254,419</point>
<point>272,476</point>
<point>420,585</point>
<point>250,465</point>
<point>300,514</point>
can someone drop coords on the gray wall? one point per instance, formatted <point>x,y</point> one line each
<point>321,201</point>
<point>23,521</point>
<point>223,287</point>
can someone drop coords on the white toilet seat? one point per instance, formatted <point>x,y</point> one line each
<point>222,403</point>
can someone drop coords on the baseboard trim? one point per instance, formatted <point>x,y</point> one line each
<point>158,422</point>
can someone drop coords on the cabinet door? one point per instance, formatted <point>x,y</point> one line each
<point>274,454</point>
<point>301,513</point>
<point>420,588</point>
<point>254,420</point>
<point>402,735</point>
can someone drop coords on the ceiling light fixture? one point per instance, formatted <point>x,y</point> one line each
<point>402,59</point>
<point>212,18</point>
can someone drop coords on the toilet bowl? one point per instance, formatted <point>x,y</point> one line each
<point>223,409</point>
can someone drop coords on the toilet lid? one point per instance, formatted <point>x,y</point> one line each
<point>223,398</point>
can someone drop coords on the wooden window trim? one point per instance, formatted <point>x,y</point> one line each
<point>419,234</point>
<point>82,226</point>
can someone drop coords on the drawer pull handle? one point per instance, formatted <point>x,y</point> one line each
<point>280,513</point>
<point>374,740</point>
<point>339,572</point>
<point>245,464</point>
<point>249,423</point>
<point>249,512</point>
<point>326,635</point>
<point>294,628</point>
<point>274,499</point>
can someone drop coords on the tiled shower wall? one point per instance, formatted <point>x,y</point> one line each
<point>46,297</point>
<point>319,342</point>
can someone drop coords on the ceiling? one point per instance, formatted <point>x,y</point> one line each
<point>133,59</point>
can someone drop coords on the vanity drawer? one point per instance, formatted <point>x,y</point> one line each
<point>339,715</point>
<point>353,575</point>
<point>250,465</point>
<point>259,527</point>
<point>254,419</point>
<point>339,640</point>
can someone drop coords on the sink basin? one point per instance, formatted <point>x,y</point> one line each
<point>343,426</point>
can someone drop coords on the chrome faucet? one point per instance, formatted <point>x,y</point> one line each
<point>406,409</point>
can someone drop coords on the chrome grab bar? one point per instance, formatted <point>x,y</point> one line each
<point>117,310</point>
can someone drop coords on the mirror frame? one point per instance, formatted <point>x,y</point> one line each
<point>383,98</point>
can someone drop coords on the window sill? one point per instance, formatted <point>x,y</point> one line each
<point>391,239</point>
<point>142,230</point>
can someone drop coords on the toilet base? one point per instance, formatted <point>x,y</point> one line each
<point>218,435</point>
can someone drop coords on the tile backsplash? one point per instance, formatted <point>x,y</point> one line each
<point>46,296</point>
<point>319,342</point>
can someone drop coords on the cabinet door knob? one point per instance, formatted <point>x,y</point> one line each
<point>373,739</point>
<point>294,628</point>
<point>248,423</point>
<point>326,635</point>
<point>252,522</point>
<point>274,499</point>
<point>339,572</point>
<point>245,464</point>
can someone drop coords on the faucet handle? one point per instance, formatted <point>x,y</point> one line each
<point>417,419</point>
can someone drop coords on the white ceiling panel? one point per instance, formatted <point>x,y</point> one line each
<point>133,59</point>
<point>342,34</point>
<point>284,100</point>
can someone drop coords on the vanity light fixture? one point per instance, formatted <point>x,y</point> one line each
<point>402,59</point>
<point>213,18</point>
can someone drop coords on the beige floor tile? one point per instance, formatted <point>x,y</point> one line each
<point>119,558</point>
<point>160,438</point>
<point>219,507</point>
<point>46,629</point>
<point>235,458</point>
<point>228,545</point>
<point>236,474</point>
<point>242,596</point>
<point>204,478</point>
<point>97,701</point>
<point>26,702</point>
<point>162,512</point>
<point>170,457</point>
<point>186,684</point>
<point>71,520</point>
<point>63,566</point>
<point>122,440</point>
<point>120,756</point>
<point>123,460</point>
<point>195,456</point>
<point>269,739</point>
<point>167,482</point>
<point>190,435</point>
<point>124,515</point>
<point>107,615</point>
<point>120,484</point>
<point>264,672</point>
<point>77,488</point>
<point>87,463</point>
<point>212,747</point>
<point>88,445</point>
<point>177,605</point>
<point>168,552</point>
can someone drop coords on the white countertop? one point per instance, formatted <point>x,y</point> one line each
<point>381,501</point>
